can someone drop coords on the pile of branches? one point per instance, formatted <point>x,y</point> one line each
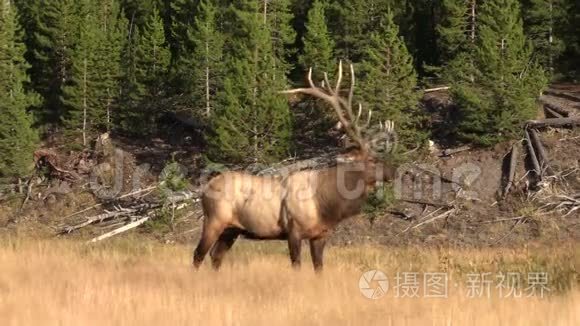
<point>541,170</point>
<point>562,204</point>
<point>129,211</point>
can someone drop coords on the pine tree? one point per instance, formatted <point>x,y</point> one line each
<point>546,24</point>
<point>146,61</point>
<point>318,52</point>
<point>207,58</point>
<point>353,21</point>
<point>80,96</point>
<point>56,33</point>
<point>348,27</point>
<point>278,16</point>
<point>95,80</point>
<point>458,28</point>
<point>17,137</point>
<point>254,119</point>
<point>506,81</point>
<point>389,83</point>
<point>180,17</point>
<point>113,26</point>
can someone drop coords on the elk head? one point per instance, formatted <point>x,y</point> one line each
<point>364,146</point>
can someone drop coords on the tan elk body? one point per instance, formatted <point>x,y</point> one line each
<point>304,205</point>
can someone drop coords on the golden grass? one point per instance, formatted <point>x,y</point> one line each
<point>128,282</point>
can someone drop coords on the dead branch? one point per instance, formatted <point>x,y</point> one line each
<point>436,89</point>
<point>402,215</point>
<point>562,204</point>
<point>120,212</point>
<point>451,151</point>
<point>122,229</point>
<point>435,218</point>
<point>179,198</point>
<point>135,193</point>
<point>28,191</point>
<point>426,202</point>
<point>443,178</point>
<point>502,220</point>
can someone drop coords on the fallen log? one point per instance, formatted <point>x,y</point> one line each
<point>552,112</point>
<point>565,112</point>
<point>532,155</point>
<point>540,151</point>
<point>512,169</point>
<point>564,95</point>
<point>554,122</point>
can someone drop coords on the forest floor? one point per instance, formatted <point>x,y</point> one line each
<point>463,208</point>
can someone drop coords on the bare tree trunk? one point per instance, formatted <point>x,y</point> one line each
<point>265,12</point>
<point>108,109</point>
<point>154,60</point>
<point>550,37</point>
<point>85,102</point>
<point>207,98</point>
<point>472,32</point>
<point>473,21</point>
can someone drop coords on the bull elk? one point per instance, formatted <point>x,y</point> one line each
<point>304,205</point>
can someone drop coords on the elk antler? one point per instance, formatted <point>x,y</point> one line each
<point>342,107</point>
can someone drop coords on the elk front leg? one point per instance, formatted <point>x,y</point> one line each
<point>316,253</point>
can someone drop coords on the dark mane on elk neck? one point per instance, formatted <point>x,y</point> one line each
<point>340,192</point>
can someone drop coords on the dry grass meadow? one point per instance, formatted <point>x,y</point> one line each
<point>134,282</point>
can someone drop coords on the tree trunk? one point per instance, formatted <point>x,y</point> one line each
<point>473,21</point>
<point>207,98</point>
<point>85,102</point>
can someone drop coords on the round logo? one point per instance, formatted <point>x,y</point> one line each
<point>373,284</point>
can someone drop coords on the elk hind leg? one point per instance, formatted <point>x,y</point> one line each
<point>210,234</point>
<point>221,247</point>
